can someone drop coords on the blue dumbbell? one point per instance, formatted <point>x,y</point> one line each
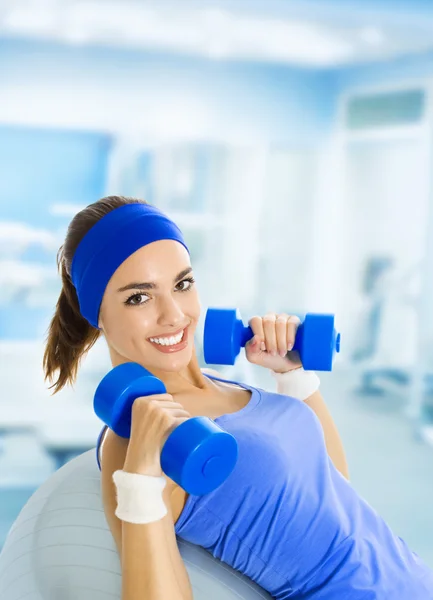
<point>225,334</point>
<point>198,455</point>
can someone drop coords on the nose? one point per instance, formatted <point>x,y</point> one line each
<point>170,313</point>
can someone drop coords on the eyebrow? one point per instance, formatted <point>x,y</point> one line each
<point>151,285</point>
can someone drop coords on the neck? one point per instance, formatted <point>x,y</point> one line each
<point>188,380</point>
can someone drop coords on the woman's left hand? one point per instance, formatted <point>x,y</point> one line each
<point>271,346</point>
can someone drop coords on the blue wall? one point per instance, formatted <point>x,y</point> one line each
<point>42,167</point>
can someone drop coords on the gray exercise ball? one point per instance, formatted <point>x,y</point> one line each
<point>61,548</point>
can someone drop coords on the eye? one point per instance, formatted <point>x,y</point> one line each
<point>131,299</point>
<point>183,286</point>
<point>189,280</point>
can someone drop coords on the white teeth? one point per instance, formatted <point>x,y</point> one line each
<point>168,341</point>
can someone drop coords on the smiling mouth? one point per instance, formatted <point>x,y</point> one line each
<point>169,341</point>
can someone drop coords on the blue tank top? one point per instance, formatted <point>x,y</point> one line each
<point>288,520</point>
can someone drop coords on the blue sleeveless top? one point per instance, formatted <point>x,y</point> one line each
<point>288,520</point>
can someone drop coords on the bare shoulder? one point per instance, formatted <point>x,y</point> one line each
<point>225,382</point>
<point>207,371</point>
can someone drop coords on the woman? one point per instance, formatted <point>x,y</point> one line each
<point>287,517</point>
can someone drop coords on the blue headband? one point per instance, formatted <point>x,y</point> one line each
<point>108,244</point>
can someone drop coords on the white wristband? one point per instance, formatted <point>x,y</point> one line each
<point>139,497</point>
<point>297,383</point>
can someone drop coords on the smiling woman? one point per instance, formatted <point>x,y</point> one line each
<point>301,530</point>
<point>152,326</point>
<point>152,315</point>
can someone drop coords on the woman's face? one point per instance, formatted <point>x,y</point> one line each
<point>151,308</point>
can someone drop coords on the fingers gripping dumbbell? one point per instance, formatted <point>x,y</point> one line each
<point>316,340</point>
<point>198,455</point>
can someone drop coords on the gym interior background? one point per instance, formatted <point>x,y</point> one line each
<point>292,141</point>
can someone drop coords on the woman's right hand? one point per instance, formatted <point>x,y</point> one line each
<point>153,418</point>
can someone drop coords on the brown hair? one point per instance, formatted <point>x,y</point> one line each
<point>70,335</point>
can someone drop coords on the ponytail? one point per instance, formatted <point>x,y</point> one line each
<point>70,335</point>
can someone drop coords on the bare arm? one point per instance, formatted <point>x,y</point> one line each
<point>334,445</point>
<point>152,567</point>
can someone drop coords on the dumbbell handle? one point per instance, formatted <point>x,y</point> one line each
<point>246,334</point>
